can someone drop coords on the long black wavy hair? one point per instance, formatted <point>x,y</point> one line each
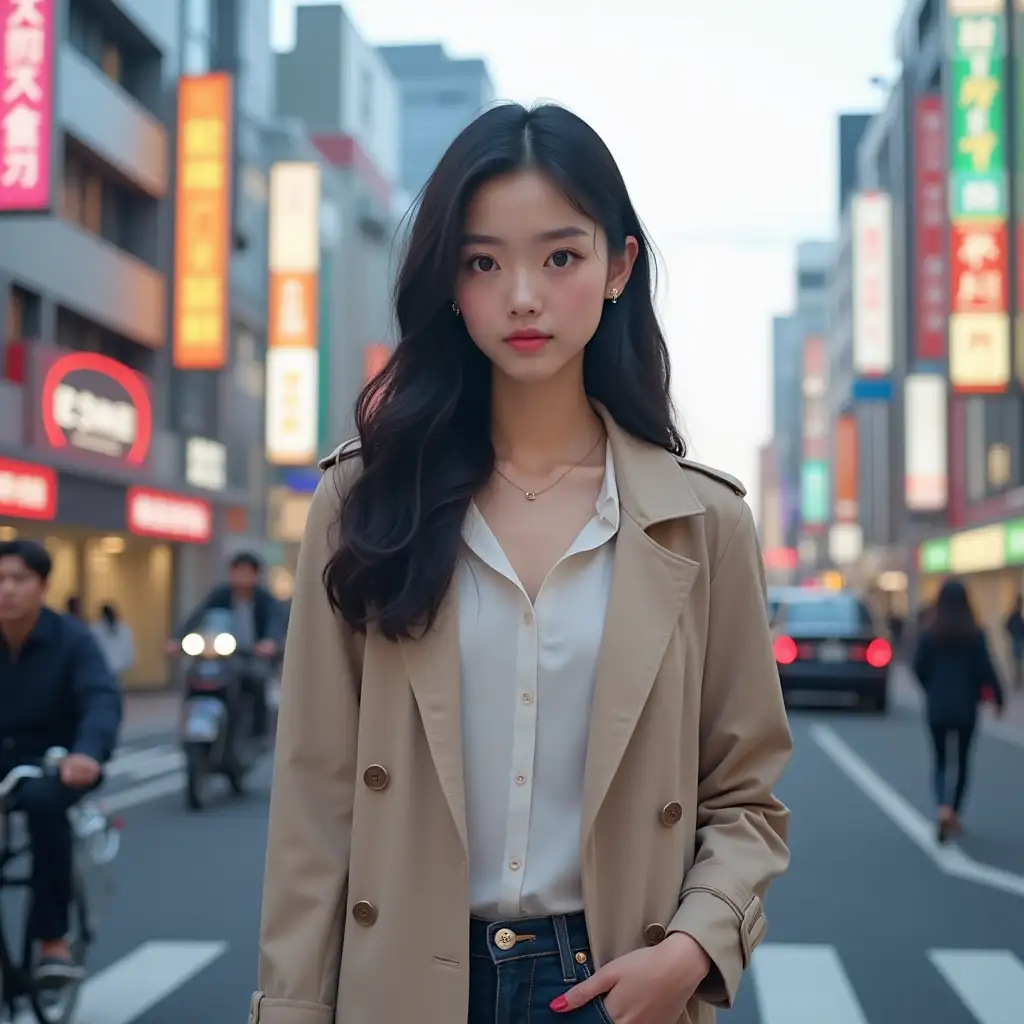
<point>424,419</point>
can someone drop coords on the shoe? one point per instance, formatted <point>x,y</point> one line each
<point>57,971</point>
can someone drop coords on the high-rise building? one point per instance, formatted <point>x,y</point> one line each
<point>440,95</point>
<point>340,88</point>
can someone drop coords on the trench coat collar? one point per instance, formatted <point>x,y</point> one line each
<point>649,585</point>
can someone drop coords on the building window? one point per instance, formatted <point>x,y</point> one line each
<point>82,335</point>
<point>81,193</point>
<point>366,98</point>
<point>110,61</point>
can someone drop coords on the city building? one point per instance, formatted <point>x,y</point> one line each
<point>340,88</point>
<point>798,507</point>
<point>439,96</point>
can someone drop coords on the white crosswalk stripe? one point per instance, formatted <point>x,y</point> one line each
<point>133,985</point>
<point>989,983</point>
<point>797,983</point>
<point>141,764</point>
<point>803,984</point>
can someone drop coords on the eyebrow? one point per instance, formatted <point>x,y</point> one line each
<point>558,235</point>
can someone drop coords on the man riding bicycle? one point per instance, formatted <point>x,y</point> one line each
<point>259,625</point>
<point>55,691</point>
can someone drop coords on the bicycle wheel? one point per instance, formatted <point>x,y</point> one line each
<point>58,1005</point>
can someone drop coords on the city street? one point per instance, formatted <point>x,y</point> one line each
<point>873,925</point>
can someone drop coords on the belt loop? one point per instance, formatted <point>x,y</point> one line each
<point>561,924</point>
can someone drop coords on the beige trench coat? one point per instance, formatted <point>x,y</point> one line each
<point>365,904</point>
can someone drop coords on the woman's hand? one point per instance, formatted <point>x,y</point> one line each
<point>647,986</point>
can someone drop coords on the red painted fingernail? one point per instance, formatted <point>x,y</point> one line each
<point>559,1005</point>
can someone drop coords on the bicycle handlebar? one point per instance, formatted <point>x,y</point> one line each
<point>52,760</point>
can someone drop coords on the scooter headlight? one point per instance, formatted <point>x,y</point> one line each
<point>224,644</point>
<point>193,645</point>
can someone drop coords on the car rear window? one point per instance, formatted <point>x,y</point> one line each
<point>831,613</point>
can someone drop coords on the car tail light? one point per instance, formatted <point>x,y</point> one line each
<point>878,654</point>
<point>785,650</point>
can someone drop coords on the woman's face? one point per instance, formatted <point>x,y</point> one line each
<point>535,275</point>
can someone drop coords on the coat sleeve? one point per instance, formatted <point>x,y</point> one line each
<point>97,700</point>
<point>745,743</point>
<point>306,879</point>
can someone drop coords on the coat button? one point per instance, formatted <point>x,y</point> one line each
<point>672,814</point>
<point>365,913</point>
<point>376,777</point>
<point>653,934</point>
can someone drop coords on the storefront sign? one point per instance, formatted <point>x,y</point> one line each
<point>169,516</point>
<point>205,464</point>
<point>293,359</point>
<point>202,228</point>
<point>872,285</point>
<point>26,105</point>
<point>979,334</point>
<point>94,404</point>
<point>931,301</point>
<point>847,469</point>
<point>27,491</point>
<point>926,460</point>
<point>933,556</point>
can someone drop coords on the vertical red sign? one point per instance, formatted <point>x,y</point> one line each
<point>26,104</point>
<point>930,289</point>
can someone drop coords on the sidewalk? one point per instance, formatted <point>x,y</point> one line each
<point>906,693</point>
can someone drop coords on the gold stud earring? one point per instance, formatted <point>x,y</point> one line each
<point>456,310</point>
<point>614,296</point>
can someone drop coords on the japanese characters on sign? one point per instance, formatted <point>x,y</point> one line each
<point>202,230</point>
<point>170,517</point>
<point>26,104</point>
<point>979,335</point>
<point>27,491</point>
<point>872,285</point>
<point>293,361</point>
<point>932,303</point>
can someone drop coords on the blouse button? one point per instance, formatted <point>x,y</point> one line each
<point>376,777</point>
<point>653,934</point>
<point>528,618</point>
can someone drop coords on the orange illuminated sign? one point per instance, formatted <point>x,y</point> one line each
<point>293,309</point>
<point>847,469</point>
<point>202,228</point>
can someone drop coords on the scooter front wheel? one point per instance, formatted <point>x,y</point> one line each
<point>197,776</point>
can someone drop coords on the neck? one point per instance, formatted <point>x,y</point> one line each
<point>539,424</point>
<point>15,631</point>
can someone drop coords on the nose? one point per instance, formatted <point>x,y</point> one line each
<point>524,300</point>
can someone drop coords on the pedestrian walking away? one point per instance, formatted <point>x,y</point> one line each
<point>531,721</point>
<point>954,668</point>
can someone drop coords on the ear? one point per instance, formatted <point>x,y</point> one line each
<point>621,267</point>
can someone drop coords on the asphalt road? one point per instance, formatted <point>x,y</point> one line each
<point>873,924</point>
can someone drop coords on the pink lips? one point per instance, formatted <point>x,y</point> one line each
<point>527,341</point>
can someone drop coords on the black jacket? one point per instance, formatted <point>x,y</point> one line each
<point>953,676</point>
<point>266,610</point>
<point>57,691</point>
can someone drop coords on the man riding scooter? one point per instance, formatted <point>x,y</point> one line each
<point>258,628</point>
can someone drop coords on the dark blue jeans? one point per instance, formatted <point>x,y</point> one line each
<point>544,957</point>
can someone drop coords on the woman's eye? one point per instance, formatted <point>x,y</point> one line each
<point>485,264</point>
<point>562,259</point>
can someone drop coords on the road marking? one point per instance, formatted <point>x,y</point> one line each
<point>145,763</point>
<point>990,983</point>
<point>127,989</point>
<point>804,984</point>
<point>948,858</point>
<point>145,793</point>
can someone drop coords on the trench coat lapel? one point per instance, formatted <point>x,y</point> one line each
<point>649,585</point>
<point>433,666</point>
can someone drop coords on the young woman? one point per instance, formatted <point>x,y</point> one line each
<point>531,719</point>
<point>953,665</point>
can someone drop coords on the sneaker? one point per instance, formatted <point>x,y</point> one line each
<point>56,971</point>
